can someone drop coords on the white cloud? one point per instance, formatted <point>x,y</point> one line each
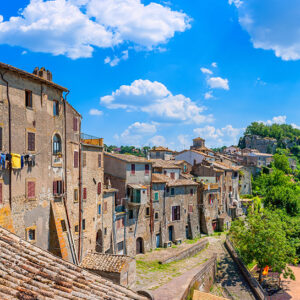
<point>216,137</point>
<point>157,140</point>
<point>95,112</point>
<point>214,65</point>
<point>155,99</point>
<point>206,71</point>
<point>275,120</point>
<point>218,83</point>
<point>184,141</point>
<point>208,95</point>
<point>75,27</point>
<point>272,25</point>
<point>295,126</point>
<point>115,61</point>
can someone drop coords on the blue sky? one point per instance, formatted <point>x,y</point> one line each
<point>163,72</point>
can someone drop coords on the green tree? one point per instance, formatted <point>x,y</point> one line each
<point>281,162</point>
<point>261,237</point>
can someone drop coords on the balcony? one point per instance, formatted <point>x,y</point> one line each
<point>91,140</point>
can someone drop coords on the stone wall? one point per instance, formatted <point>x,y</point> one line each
<point>264,145</point>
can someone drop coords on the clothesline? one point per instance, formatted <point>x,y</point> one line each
<point>17,161</point>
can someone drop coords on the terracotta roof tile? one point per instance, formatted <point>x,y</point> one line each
<point>128,158</point>
<point>28,272</point>
<point>167,164</point>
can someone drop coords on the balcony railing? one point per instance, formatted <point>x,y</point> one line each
<point>91,140</point>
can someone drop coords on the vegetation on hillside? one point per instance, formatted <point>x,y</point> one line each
<point>142,152</point>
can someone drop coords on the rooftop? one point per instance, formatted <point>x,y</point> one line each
<point>105,262</point>
<point>28,272</point>
<point>128,158</point>
<point>160,148</point>
<point>31,76</point>
<point>160,178</point>
<point>167,164</point>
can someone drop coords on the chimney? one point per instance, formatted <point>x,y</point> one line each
<point>43,73</point>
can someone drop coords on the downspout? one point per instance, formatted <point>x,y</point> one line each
<point>151,210</point>
<point>9,136</point>
<point>80,200</point>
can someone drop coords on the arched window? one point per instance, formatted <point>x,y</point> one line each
<point>56,144</point>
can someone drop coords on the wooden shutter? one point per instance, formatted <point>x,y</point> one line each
<point>1,138</point>
<point>173,213</point>
<point>99,161</point>
<point>75,159</point>
<point>31,141</point>
<point>132,168</point>
<point>1,195</point>
<point>75,124</point>
<point>178,213</point>
<point>54,187</point>
<point>84,193</point>
<point>99,188</point>
<point>30,189</point>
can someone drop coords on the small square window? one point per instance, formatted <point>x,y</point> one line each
<point>76,228</point>
<point>63,225</point>
<point>83,224</point>
<point>172,191</point>
<point>75,195</point>
<point>156,196</point>
<point>99,209</point>
<point>31,234</point>
<point>147,211</point>
<point>55,108</point>
<point>156,216</point>
<point>105,231</point>
<point>130,214</point>
<point>28,99</point>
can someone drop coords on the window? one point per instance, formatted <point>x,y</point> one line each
<point>31,234</point>
<point>132,169</point>
<point>1,138</point>
<point>58,187</point>
<point>105,231</point>
<point>75,124</point>
<point>83,159</point>
<point>31,141</point>
<point>175,213</point>
<point>99,188</point>
<point>165,172</point>
<point>147,211</point>
<point>190,208</point>
<point>30,189</point>
<point>76,159</point>
<point>210,199</point>
<point>56,144</point>
<point>146,169</point>
<point>184,168</point>
<point>55,108</point>
<point>84,193</point>
<point>172,175</point>
<point>168,189</point>
<point>75,195</point>
<point>130,214</point>
<point>76,228</point>
<point>63,225</point>
<point>191,192</point>
<point>105,206</point>
<point>172,191</point>
<point>156,196</point>
<point>99,209</point>
<point>120,223</point>
<point>120,246</point>
<point>83,224</point>
<point>99,160</point>
<point>28,99</point>
<point>156,216</point>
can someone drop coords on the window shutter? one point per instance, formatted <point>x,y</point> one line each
<point>54,187</point>
<point>84,193</point>
<point>99,160</point>
<point>178,213</point>
<point>83,159</point>
<point>132,168</point>
<point>146,169</point>
<point>75,124</point>
<point>31,141</point>
<point>75,159</point>
<point>1,138</point>
<point>99,188</point>
<point>1,197</point>
<point>173,213</point>
<point>31,189</point>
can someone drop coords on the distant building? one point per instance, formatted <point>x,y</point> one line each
<point>161,153</point>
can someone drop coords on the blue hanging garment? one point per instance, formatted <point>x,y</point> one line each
<point>22,161</point>
<point>2,160</point>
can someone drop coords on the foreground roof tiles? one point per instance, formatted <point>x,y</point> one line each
<point>105,262</point>
<point>28,272</point>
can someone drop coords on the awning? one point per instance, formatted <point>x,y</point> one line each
<point>137,186</point>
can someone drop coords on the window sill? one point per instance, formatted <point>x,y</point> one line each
<point>31,199</point>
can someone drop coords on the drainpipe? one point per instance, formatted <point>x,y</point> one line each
<point>80,200</point>
<point>151,210</point>
<point>9,136</point>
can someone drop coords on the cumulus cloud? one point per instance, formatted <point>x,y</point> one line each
<point>214,65</point>
<point>155,99</point>
<point>206,71</point>
<point>157,140</point>
<point>295,126</point>
<point>275,120</point>
<point>208,95</point>
<point>216,137</point>
<point>272,25</point>
<point>96,112</point>
<point>76,27</point>
<point>184,140</point>
<point>218,83</point>
<point>115,60</point>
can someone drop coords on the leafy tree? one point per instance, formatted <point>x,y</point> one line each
<point>281,162</point>
<point>261,237</point>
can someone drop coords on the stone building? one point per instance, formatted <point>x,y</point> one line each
<point>175,210</point>
<point>131,176</point>
<point>161,153</point>
<point>262,144</point>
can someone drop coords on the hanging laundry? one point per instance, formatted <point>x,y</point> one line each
<point>31,160</point>
<point>8,157</point>
<point>26,158</point>
<point>2,160</point>
<point>16,161</point>
<point>22,162</point>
